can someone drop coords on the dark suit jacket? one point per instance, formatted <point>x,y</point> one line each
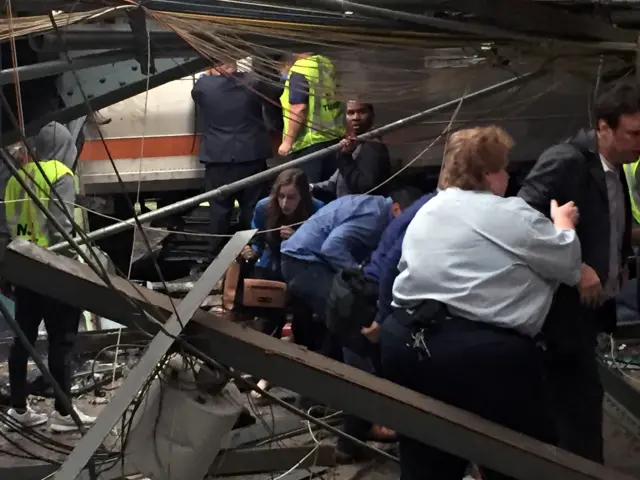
<point>236,113</point>
<point>566,172</point>
<point>358,172</point>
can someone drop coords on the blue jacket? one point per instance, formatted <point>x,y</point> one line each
<point>260,244</point>
<point>343,234</point>
<point>383,266</point>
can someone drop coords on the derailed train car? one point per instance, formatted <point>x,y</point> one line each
<point>153,137</point>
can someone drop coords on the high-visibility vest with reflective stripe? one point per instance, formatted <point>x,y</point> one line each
<point>634,194</point>
<point>325,118</point>
<point>24,218</point>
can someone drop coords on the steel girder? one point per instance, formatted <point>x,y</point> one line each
<point>109,97</point>
<point>57,67</point>
<point>310,374</point>
<point>157,349</point>
<point>231,462</point>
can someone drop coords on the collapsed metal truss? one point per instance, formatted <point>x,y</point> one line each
<point>310,374</point>
<point>154,353</point>
<point>337,385</point>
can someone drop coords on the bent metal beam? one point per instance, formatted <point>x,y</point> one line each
<point>291,366</point>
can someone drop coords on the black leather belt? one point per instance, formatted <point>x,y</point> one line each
<point>428,317</point>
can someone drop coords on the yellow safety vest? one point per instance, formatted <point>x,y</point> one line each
<point>24,218</point>
<point>634,195</point>
<point>325,118</point>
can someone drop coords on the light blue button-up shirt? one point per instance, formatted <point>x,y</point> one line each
<point>343,233</point>
<point>490,259</point>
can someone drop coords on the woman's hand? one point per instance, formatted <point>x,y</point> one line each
<point>565,216</point>
<point>248,253</point>
<point>286,232</point>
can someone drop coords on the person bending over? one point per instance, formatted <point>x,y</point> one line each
<point>488,266</point>
<point>340,236</point>
<point>363,352</point>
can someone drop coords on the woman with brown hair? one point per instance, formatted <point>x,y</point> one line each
<point>289,203</point>
<point>477,276</point>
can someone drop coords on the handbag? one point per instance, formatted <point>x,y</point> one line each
<point>241,291</point>
<point>352,303</point>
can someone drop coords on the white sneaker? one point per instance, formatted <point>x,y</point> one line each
<point>64,423</point>
<point>27,419</point>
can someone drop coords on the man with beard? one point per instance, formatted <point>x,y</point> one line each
<point>588,169</point>
<point>362,166</point>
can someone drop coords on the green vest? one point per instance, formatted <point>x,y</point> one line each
<point>24,218</point>
<point>634,195</point>
<point>325,118</point>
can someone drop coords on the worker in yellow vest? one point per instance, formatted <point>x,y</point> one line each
<point>634,187</point>
<point>628,300</point>
<point>26,221</point>
<point>313,114</point>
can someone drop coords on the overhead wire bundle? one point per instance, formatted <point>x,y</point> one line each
<point>16,27</point>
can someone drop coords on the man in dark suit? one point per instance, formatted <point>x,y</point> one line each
<point>588,170</point>
<point>236,110</point>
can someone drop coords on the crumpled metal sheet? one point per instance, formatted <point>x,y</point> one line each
<point>155,239</point>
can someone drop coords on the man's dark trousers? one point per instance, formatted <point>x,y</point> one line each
<point>220,209</point>
<point>61,322</point>
<point>571,371</point>
<point>576,397</point>
<point>310,284</point>
<point>364,355</point>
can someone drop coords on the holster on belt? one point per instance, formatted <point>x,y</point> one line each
<point>426,316</point>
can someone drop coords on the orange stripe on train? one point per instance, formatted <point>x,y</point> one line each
<point>121,148</point>
<point>166,146</point>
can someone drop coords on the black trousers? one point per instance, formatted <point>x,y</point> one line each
<point>309,284</point>
<point>365,356</point>
<point>492,372</point>
<point>576,398</point>
<point>220,209</point>
<point>61,322</point>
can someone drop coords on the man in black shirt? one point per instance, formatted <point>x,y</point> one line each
<point>235,108</point>
<point>362,166</point>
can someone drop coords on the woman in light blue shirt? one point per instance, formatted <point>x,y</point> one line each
<point>493,265</point>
